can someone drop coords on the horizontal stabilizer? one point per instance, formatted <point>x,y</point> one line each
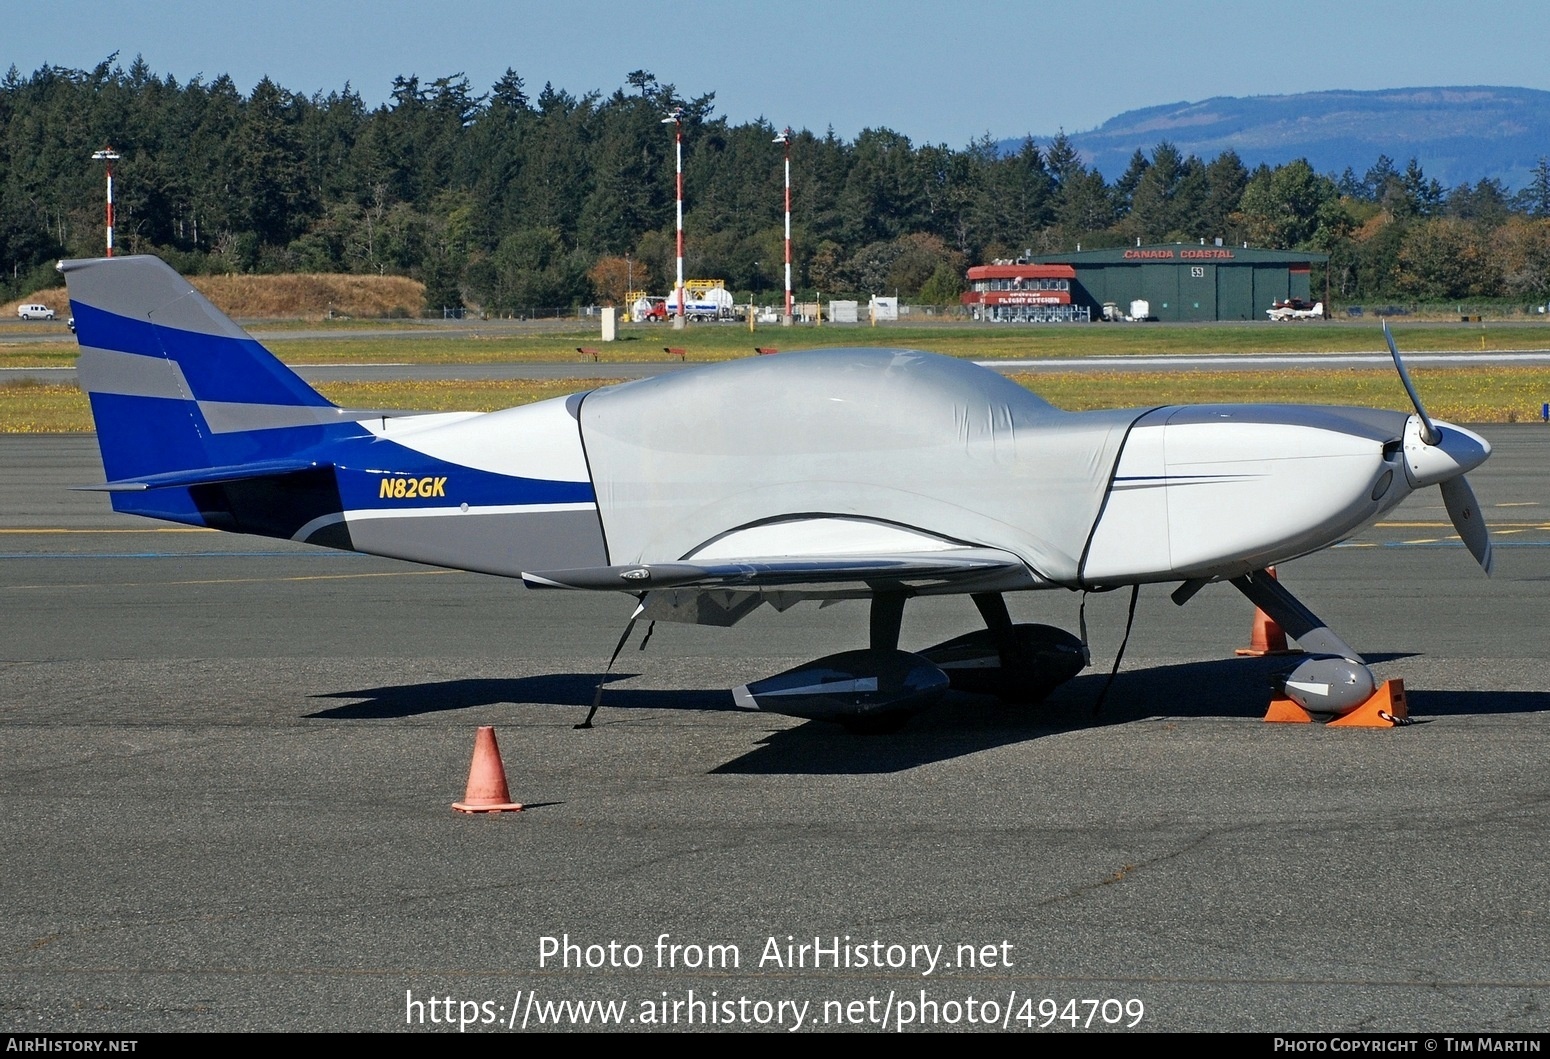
<point>207,476</point>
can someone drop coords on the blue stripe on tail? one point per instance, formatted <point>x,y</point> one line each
<point>217,367</point>
<point>156,357</point>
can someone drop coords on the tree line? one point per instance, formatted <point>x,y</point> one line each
<point>510,200</point>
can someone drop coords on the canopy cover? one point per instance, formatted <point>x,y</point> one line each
<point>897,436</point>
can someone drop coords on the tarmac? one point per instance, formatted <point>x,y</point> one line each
<point>227,765</point>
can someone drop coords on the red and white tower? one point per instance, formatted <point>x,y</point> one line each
<point>785,140</point>
<point>675,116</point>
<point>108,155</point>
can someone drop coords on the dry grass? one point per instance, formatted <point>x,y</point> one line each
<point>313,296</point>
<point>500,342</point>
<point>304,296</point>
<point>1460,395</point>
<point>33,408</point>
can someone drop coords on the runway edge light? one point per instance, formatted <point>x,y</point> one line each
<point>487,791</point>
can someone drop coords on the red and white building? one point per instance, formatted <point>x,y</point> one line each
<point>1009,291</point>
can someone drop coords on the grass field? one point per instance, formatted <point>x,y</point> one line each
<point>1462,395</point>
<point>726,342</point>
<point>353,342</point>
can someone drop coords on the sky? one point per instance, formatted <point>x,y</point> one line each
<point>936,71</point>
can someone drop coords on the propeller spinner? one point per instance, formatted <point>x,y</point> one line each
<point>1441,457</point>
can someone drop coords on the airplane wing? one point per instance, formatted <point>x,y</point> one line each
<point>724,591</point>
<point>957,568</point>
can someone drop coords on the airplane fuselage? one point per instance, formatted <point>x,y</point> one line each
<point>849,452</point>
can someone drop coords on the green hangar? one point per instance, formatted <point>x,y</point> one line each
<point>1186,281</point>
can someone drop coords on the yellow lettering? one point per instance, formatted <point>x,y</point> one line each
<point>412,488</point>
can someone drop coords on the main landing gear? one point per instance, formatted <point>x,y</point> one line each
<point>878,689</point>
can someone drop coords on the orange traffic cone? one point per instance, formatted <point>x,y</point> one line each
<point>1267,638</point>
<point>487,791</point>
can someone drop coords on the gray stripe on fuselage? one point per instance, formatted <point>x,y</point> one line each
<point>506,543</point>
<point>304,534</point>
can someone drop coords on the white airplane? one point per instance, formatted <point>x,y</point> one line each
<point>831,474</point>
<point>1296,309</point>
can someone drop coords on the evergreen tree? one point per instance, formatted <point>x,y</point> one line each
<point>1425,195</point>
<point>1225,179</point>
<point>272,193</point>
<point>1023,190</point>
<point>1280,207</point>
<point>1486,203</point>
<point>1349,186</point>
<point>1535,198</point>
<point>1083,203</point>
<point>1168,197</point>
<point>510,198</point>
<point>1379,178</point>
<point>1125,187</point>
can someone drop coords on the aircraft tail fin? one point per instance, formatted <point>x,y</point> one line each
<point>177,388</point>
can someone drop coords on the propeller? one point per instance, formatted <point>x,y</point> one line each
<point>1465,513</point>
<point>1433,455</point>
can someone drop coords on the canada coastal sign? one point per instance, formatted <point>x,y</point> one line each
<point>1214,253</point>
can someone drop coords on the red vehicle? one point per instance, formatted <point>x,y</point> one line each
<point>648,308</point>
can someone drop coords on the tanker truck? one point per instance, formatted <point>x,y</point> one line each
<point>704,299</point>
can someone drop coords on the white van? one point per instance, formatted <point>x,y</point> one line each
<point>34,312</point>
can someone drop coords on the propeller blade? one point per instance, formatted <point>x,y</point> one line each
<point>1465,513</point>
<point>1431,435</point>
<point>1457,496</point>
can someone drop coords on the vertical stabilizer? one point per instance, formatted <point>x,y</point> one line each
<point>176,386</point>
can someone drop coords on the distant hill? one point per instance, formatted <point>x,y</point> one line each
<point>1457,134</point>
